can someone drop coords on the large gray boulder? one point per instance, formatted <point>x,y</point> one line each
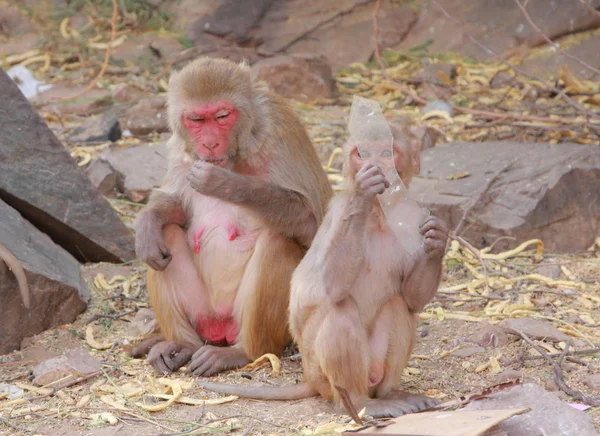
<point>550,192</point>
<point>57,292</point>
<point>39,178</point>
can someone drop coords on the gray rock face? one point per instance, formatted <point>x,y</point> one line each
<point>534,328</point>
<point>58,294</point>
<point>76,363</point>
<point>39,178</point>
<point>139,169</point>
<point>100,129</point>
<point>549,192</point>
<point>303,78</point>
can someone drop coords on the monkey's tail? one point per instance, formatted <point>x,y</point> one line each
<point>15,266</point>
<point>292,392</point>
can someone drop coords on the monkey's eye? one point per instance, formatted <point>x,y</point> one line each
<point>364,154</point>
<point>195,118</point>
<point>222,114</point>
<point>386,153</point>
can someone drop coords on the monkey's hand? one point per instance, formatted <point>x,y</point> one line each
<point>149,243</point>
<point>209,179</point>
<point>436,235</point>
<point>369,182</point>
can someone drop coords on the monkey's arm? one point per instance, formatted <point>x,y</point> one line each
<point>344,253</point>
<point>423,281</point>
<point>283,210</point>
<point>162,209</point>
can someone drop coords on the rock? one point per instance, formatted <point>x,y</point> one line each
<point>74,364</point>
<point>592,382</point>
<point>438,105</point>
<point>39,178</point>
<point>148,116</point>
<point>13,23</point>
<point>12,391</point>
<point>303,78</point>
<point>57,292</point>
<point>436,73</point>
<point>548,416</point>
<point>126,93</point>
<point>139,169</point>
<point>59,99</point>
<point>235,17</point>
<point>19,44</point>
<point>489,335</point>
<point>551,271</point>
<point>99,129</point>
<point>102,175</point>
<point>342,31</point>
<point>552,63</point>
<point>548,193</point>
<point>534,329</point>
<point>498,25</point>
<point>509,375</point>
<point>145,322</point>
<point>468,351</point>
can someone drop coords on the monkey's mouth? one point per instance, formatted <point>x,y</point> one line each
<point>215,161</point>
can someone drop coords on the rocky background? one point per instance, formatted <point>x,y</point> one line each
<point>507,92</point>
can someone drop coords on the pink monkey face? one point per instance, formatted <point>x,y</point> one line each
<point>210,127</point>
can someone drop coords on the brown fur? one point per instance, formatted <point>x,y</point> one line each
<point>274,189</point>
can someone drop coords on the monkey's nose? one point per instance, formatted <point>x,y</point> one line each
<point>210,145</point>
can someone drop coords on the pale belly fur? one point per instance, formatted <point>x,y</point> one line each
<point>222,238</point>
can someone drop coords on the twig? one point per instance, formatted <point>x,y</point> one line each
<point>71,383</point>
<point>485,297</point>
<point>482,194</point>
<point>476,253</point>
<point>111,316</point>
<point>113,35</point>
<point>225,418</point>
<point>552,43</point>
<point>558,374</point>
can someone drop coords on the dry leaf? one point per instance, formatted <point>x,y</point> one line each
<point>89,338</point>
<point>263,360</point>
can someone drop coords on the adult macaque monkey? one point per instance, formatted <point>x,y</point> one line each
<point>356,293</point>
<point>242,199</point>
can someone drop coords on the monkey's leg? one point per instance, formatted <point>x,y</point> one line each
<point>341,349</point>
<point>260,307</point>
<point>176,295</point>
<point>401,327</point>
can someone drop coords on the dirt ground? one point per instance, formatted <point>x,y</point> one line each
<point>109,404</point>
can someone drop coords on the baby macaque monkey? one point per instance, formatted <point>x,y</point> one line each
<point>356,293</point>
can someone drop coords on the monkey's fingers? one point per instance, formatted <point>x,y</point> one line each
<point>433,223</point>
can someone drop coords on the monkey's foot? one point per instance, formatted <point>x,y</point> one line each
<point>166,357</point>
<point>210,360</point>
<point>399,403</point>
